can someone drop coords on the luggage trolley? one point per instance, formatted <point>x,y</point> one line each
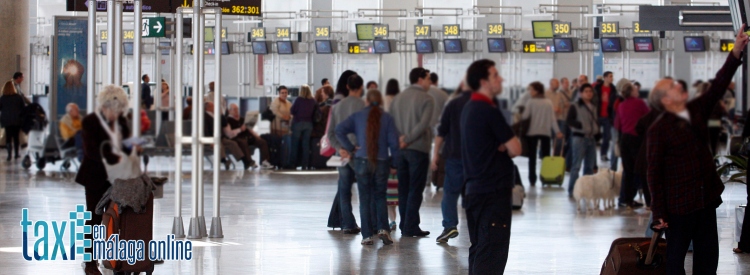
<point>44,145</point>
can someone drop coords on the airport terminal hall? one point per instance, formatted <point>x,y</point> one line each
<point>283,137</point>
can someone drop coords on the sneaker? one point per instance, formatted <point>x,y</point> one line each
<point>448,233</point>
<point>385,236</point>
<point>605,158</point>
<point>266,165</point>
<point>367,241</point>
<point>393,226</point>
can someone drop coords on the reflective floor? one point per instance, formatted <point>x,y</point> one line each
<point>274,223</point>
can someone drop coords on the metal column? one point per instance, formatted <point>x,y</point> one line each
<point>116,38</point>
<point>216,230</point>
<point>135,94</point>
<point>201,118</point>
<point>194,231</point>
<point>91,76</point>
<point>111,6</point>
<point>177,225</point>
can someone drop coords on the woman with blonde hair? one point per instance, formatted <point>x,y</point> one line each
<point>303,113</point>
<point>103,131</point>
<point>11,109</point>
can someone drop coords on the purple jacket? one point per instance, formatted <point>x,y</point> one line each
<point>303,110</point>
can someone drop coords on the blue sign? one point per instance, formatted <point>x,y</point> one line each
<point>71,59</point>
<point>563,45</point>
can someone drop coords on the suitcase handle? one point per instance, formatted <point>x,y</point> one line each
<point>652,248</point>
<point>562,148</point>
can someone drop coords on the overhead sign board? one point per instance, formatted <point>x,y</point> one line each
<point>153,27</point>
<point>422,30</point>
<point>495,28</point>
<point>229,7</point>
<point>147,5</point>
<point>451,30</point>
<point>126,35</point>
<point>323,31</point>
<point>726,45</point>
<point>637,28</point>
<point>538,47</point>
<point>361,48</point>
<point>610,27</point>
<point>561,28</point>
<point>283,32</point>
<point>380,31</point>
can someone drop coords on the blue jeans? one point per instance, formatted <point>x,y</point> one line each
<point>372,184</point>
<point>452,189</point>
<point>346,180</point>
<point>412,178</point>
<point>582,149</point>
<point>606,135</point>
<point>301,134</point>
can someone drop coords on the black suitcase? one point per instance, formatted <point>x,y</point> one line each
<point>130,226</point>
<point>316,160</point>
<point>279,149</point>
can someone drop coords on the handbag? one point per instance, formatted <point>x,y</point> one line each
<point>326,149</point>
<point>268,115</point>
<point>129,166</point>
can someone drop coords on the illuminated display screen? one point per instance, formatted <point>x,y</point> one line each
<point>364,32</point>
<point>104,48</point>
<point>127,48</point>
<point>563,45</point>
<point>695,44</point>
<point>284,47</point>
<point>451,30</point>
<point>423,46</point>
<point>260,47</point>
<point>542,29</point>
<point>422,30</point>
<point>496,45</point>
<point>643,44</point>
<point>495,29</point>
<point>323,46</point>
<point>611,45</point>
<point>452,46</point>
<point>381,46</point>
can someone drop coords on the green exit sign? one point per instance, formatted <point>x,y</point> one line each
<point>153,27</point>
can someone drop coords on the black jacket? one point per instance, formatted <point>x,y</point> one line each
<point>92,173</point>
<point>11,110</point>
<point>610,105</point>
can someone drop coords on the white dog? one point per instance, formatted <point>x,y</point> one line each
<point>608,188</point>
<point>592,188</point>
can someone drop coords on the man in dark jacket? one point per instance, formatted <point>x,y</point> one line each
<point>685,188</point>
<point>146,99</point>
<point>605,97</point>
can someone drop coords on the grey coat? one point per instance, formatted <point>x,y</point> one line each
<point>583,120</point>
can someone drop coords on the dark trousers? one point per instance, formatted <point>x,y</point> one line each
<point>532,143</point>
<point>489,220</point>
<point>699,227</point>
<point>744,244</point>
<point>346,180</point>
<point>412,178</point>
<point>12,138</point>
<point>262,146</point>
<point>606,135</point>
<point>629,147</point>
<point>93,196</point>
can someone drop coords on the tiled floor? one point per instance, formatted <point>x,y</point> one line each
<point>274,223</point>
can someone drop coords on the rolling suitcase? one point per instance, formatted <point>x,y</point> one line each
<point>553,169</point>
<point>640,256</point>
<point>131,226</point>
<point>279,149</point>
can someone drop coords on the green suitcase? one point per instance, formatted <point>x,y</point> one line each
<point>553,169</point>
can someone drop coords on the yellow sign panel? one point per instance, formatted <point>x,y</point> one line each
<point>126,35</point>
<point>322,31</point>
<point>258,33</point>
<point>727,45</point>
<point>451,30</point>
<point>422,30</point>
<point>637,28</point>
<point>241,10</point>
<point>610,28</point>
<point>282,32</point>
<point>495,29</point>
<point>561,28</point>
<point>380,31</point>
